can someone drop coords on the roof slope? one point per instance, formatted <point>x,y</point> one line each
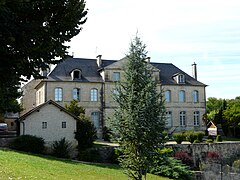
<point>90,71</point>
<point>44,104</point>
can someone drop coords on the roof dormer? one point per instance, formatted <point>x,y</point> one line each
<point>76,74</point>
<point>179,78</point>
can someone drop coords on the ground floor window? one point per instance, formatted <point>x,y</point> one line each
<point>182,118</point>
<point>44,125</point>
<point>95,119</point>
<point>64,124</point>
<point>196,118</point>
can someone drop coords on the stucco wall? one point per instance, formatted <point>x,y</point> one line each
<point>32,125</point>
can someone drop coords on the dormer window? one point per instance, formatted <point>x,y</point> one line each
<point>76,74</point>
<point>181,78</point>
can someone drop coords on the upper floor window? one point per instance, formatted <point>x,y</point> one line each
<point>95,119</point>
<point>76,74</point>
<point>182,117</point>
<point>168,122</point>
<point>195,96</point>
<point>196,118</point>
<point>44,125</point>
<point>181,78</point>
<point>58,94</point>
<point>76,94</point>
<point>168,96</point>
<point>94,94</point>
<point>64,124</point>
<point>116,76</point>
<point>181,96</point>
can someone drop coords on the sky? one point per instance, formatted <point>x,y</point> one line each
<point>180,32</point>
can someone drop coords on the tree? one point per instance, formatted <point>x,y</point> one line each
<point>32,34</point>
<point>86,132</point>
<point>139,118</point>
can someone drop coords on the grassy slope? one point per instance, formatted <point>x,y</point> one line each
<point>14,165</point>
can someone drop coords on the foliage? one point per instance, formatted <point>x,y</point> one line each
<point>209,141</point>
<point>219,138</point>
<point>90,155</point>
<point>32,34</point>
<point>24,166</point>
<point>191,136</point>
<point>61,148</point>
<point>106,133</point>
<point>169,166</point>
<point>196,141</point>
<point>210,137</point>
<point>86,132</point>
<point>179,137</point>
<point>139,118</point>
<point>184,157</point>
<point>236,164</point>
<point>29,143</point>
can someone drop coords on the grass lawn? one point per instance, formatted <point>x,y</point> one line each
<point>15,165</point>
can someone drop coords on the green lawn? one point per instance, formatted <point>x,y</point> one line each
<point>16,165</point>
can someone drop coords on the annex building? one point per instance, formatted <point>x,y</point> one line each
<point>92,83</point>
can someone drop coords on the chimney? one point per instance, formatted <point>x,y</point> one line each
<point>147,60</point>
<point>194,70</point>
<point>99,60</point>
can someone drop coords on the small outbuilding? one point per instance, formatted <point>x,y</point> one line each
<point>50,121</point>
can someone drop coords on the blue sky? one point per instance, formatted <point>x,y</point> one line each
<point>180,32</point>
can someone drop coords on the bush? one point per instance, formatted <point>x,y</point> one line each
<point>164,165</point>
<point>196,141</point>
<point>191,136</point>
<point>113,158</point>
<point>29,143</point>
<point>184,157</point>
<point>200,136</point>
<point>219,138</point>
<point>61,148</point>
<point>86,133</point>
<point>90,155</point>
<point>236,164</point>
<point>179,137</point>
<point>106,133</point>
<point>209,141</point>
<point>210,137</point>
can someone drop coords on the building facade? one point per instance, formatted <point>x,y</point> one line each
<point>92,83</point>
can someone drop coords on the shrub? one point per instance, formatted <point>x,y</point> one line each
<point>200,136</point>
<point>191,136</point>
<point>90,155</point>
<point>196,141</point>
<point>113,158</point>
<point>209,141</point>
<point>86,133</point>
<point>106,133</point>
<point>236,164</point>
<point>163,165</point>
<point>210,137</point>
<point>219,138</point>
<point>29,143</point>
<point>179,137</point>
<point>184,157</point>
<point>61,148</point>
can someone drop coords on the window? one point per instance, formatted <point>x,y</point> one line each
<point>168,96</point>
<point>168,122</point>
<point>58,94</point>
<point>196,118</point>
<point>64,124</point>
<point>195,96</point>
<point>181,78</point>
<point>76,74</point>
<point>44,125</point>
<point>181,96</point>
<point>76,94</point>
<point>116,76</point>
<point>95,119</point>
<point>182,118</point>
<point>94,94</point>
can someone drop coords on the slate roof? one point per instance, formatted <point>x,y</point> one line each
<point>90,71</point>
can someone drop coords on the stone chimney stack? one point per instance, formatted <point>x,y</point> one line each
<point>194,70</point>
<point>99,60</point>
<point>148,59</point>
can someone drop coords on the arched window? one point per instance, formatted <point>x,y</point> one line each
<point>196,118</point>
<point>94,95</point>
<point>76,74</point>
<point>182,96</point>
<point>76,94</point>
<point>182,118</point>
<point>58,93</point>
<point>195,96</point>
<point>168,96</point>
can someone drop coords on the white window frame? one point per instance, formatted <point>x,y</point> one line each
<point>182,118</point>
<point>76,74</point>
<point>181,78</point>
<point>196,118</point>
<point>195,96</point>
<point>94,95</point>
<point>76,94</point>
<point>58,94</point>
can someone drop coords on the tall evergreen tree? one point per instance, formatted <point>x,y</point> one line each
<point>139,119</point>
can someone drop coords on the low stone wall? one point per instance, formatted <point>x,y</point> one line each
<point>6,142</point>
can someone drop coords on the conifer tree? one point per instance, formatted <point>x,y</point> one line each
<point>139,118</point>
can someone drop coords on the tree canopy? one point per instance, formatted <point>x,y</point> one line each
<point>32,34</point>
<point>139,119</point>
